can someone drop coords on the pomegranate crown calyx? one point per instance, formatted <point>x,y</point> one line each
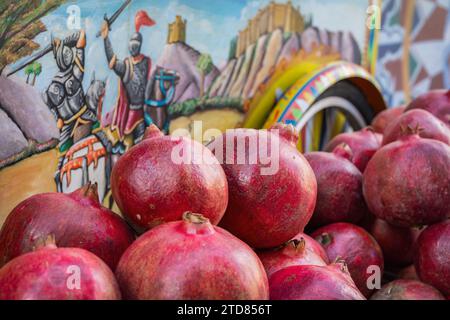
<point>152,132</point>
<point>286,131</point>
<point>324,239</point>
<point>194,218</point>
<point>369,129</point>
<point>410,130</point>
<point>297,244</point>
<point>48,242</point>
<point>89,190</point>
<point>343,150</point>
<point>341,264</point>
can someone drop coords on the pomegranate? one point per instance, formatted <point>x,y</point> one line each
<point>427,125</point>
<point>384,118</point>
<point>396,243</point>
<point>407,290</point>
<point>294,253</point>
<point>407,183</point>
<point>432,256</point>
<point>162,177</point>
<point>339,189</point>
<point>52,273</point>
<point>356,247</point>
<point>408,273</point>
<point>272,187</point>
<point>190,260</point>
<point>437,102</point>
<point>310,282</point>
<point>76,220</point>
<point>363,145</point>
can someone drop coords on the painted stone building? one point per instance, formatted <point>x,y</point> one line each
<point>177,30</point>
<point>276,15</point>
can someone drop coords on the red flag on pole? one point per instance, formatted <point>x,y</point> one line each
<point>142,19</point>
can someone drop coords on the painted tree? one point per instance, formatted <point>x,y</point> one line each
<point>29,72</point>
<point>204,66</point>
<point>37,69</point>
<point>20,23</point>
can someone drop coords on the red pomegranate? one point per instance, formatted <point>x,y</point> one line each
<point>408,273</point>
<point>76,220</point>
<point>407,183</point>
<point>294,253</point>
<point>363,145</point>
<point>396,243</point>
<point>162,177</point>
<point>356,247</point>
<point>272,187</point>
<point>191,260</point>
<point>437,102</point>
<point>427,125</point>
<point>384,118</point>
<point>309,282</point>
<point>339,189</point>
<point>432,256</point>
<point>52,273</point>
<point>407,290</point>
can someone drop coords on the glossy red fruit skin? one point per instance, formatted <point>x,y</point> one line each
<point>46,275</point>
<point>407,183</point>
<point>436,102</point>
<point>356,247</point>
<point>432,256</point>
<point>339,190</point>
<point>428,126</point>
<point>396,243</point>
<point>266,210</point>
<point>75,220</point>
<point>152,187</point>
<point>293,253</point>
<point>191,260</point>
<point>407,290</point>
<point>313,283</point>
<point>363,143</point>
<point>386,117</point>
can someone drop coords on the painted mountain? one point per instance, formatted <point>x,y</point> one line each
<point>245,73</point>
<point>27,127</point>
<point>182,58</point>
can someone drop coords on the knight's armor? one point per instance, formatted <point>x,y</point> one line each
<point>134,73</point>
<point>65,96</point>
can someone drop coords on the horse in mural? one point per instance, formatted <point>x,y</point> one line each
<point>161,92</point>
<point>91,158</point>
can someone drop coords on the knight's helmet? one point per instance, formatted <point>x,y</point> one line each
<point>141,19</point>
<point>64,56</point>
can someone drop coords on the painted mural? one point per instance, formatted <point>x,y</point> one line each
<point>414,48</point>
<point>81,80</point>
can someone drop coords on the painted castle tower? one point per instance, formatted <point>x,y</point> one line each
<point>177,31</point>
<point>276,15</point>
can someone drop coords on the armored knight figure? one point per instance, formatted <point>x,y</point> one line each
<point>65,96</point>
<point>134,73</point>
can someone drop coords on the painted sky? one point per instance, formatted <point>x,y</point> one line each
<point>211,26</point>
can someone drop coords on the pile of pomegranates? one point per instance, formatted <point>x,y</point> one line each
<point>249,217</point>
